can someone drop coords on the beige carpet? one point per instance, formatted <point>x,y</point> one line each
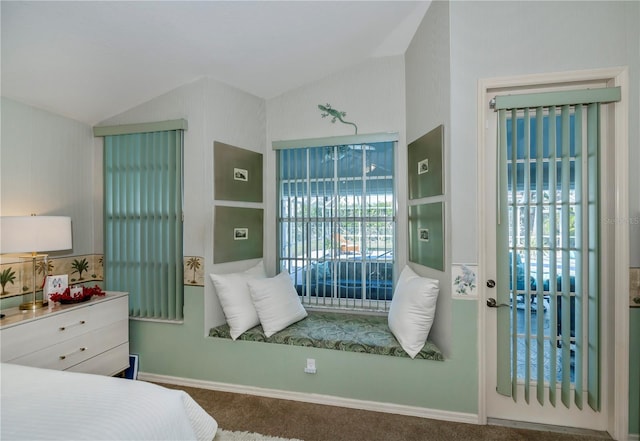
<point>316,422</point>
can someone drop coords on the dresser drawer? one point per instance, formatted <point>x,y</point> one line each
<point>109,363</point>
<point>41,334</point>
<point>76,350</point>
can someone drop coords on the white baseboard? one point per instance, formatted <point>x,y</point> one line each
<point>375,406</point>
<point>634,437</point>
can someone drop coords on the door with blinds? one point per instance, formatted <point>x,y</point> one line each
<point>545,194</point>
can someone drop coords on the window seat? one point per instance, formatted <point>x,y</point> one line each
<point>342,332</point>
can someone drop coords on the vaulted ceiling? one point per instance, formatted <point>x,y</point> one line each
<point>92,60</point>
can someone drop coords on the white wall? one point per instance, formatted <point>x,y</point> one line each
<point>428,105</point>
<point>46,168</point>
<point>215,112</point>
<point>495,39</point>
<point>372,95</point>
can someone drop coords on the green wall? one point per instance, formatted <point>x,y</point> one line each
<point>184,351</point>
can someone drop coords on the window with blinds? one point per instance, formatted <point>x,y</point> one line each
<point>549,246</point>
<point>143,221</point>
<point>336,223</point>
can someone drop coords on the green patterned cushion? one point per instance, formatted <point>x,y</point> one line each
<point>332,330</point>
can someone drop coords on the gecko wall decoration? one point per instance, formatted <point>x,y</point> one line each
<point>335,114</point>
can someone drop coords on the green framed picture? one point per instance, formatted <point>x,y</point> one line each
<point>426,235</point>
<point>238,234</point>
<point>425,164</point>
<point>237,173</point>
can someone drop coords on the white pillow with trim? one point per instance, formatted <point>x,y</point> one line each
<point>412,310</point>
<point>235,299</point>
<point>277,302</point>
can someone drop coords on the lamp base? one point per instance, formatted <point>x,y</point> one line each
<point>31,306</point>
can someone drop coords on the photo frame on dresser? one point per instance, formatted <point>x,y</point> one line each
<point>54,285</point>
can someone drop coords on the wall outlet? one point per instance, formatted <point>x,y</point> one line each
<point>311,366</point>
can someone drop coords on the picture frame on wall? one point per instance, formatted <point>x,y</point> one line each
<point>425,165</point>
<point>237,173</point>
<point>464,281</point>
<point>231,240</point>
<point>426,234</point>
<point>240,174</point>
<point>240,233</point>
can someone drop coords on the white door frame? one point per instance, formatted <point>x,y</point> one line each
<point>618,393</point>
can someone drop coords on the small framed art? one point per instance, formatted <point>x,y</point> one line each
<point>240,233</point>
<point>54,285</point>
<point>237,173</point>
<point>426,166</point>
<point>240,174</point>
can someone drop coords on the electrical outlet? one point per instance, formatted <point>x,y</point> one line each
<point>311,366</point>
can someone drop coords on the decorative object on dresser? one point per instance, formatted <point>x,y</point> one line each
<point>90,337</point>
<point>76,294</point>
<point>34,234</point>
<point>54,285</point>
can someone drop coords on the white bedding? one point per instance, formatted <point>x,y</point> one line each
<point>38,404</point>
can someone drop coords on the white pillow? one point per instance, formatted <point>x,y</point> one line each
<point>276,302</point>
<point>235,298</point>
<point>412,310</point>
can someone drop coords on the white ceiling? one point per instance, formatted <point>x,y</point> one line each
<point>91,60</point>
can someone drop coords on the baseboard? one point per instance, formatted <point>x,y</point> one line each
<point>330,400</point>
<point>634,437</point>
<point>549,428</point>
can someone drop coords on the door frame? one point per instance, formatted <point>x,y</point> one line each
<point>616,396</point>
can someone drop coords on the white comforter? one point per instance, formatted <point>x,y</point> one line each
<point>38,404</point>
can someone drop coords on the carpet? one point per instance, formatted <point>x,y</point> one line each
<point>227,435</point>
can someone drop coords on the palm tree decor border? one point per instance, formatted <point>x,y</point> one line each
<point>85,268</point>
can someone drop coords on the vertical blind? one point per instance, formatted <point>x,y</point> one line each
<point>336,223</point>
<point>143,221</point>
<point>548,245</point>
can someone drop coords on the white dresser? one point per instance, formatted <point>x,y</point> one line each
<point>91,336</point>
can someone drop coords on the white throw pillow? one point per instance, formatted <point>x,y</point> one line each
<point>276,302</point>
<point>412,310</point>
<point>235,298</point>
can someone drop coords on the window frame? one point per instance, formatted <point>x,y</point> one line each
<point>337,298</point>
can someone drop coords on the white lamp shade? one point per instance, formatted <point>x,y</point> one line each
<point>22,234</point>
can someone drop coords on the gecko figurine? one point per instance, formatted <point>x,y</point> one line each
<point>336,114</point>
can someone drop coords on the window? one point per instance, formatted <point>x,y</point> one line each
<point>143,221</point>
<point>336,223</point>
<point>542,191</point>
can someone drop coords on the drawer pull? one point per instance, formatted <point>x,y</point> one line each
<point>81,322</point>
<point>62,357</point>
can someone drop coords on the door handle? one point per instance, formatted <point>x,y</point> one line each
<point>491,303</point>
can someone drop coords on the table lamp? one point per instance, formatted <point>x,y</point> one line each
<point>34,234</point>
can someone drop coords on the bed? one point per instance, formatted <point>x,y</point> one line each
<point>41,404</point>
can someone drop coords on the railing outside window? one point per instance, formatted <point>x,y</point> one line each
<point>336,223</point>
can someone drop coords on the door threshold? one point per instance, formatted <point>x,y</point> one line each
<point>549,428</point>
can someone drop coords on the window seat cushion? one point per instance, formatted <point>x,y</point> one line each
<point>333,330</point>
